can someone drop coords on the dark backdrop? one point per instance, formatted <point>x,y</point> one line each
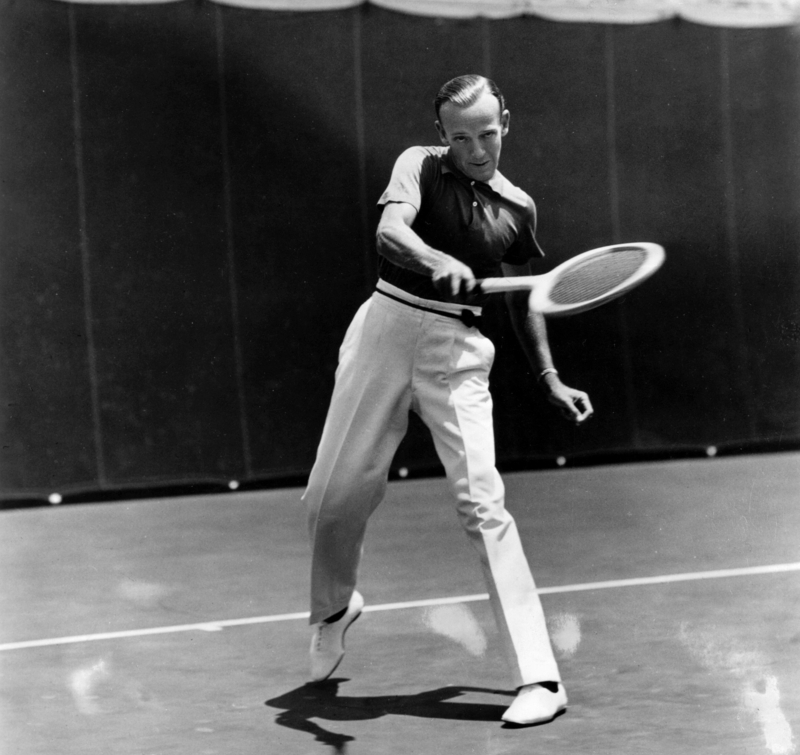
<point>189,208</point>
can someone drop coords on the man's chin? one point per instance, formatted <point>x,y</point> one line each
<point>480,173</point>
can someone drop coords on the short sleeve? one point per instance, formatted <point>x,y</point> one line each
<point>408,178</point>
<point>525,247</point>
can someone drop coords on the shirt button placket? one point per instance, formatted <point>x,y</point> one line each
<point>475,212</point>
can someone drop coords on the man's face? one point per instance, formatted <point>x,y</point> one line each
<point>474,135</point>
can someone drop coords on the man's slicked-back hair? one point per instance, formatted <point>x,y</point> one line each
<point>465,90</point>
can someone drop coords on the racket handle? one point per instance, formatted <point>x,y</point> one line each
<point>512,283</point>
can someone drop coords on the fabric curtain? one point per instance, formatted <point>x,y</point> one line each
<point>731,13</point>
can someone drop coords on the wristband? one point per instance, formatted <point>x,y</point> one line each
<point>547,371</point>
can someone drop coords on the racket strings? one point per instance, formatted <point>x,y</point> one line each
<point>597,276</point>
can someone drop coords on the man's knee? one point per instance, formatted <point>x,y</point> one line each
<point>483,486</point>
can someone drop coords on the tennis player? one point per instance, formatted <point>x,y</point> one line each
<point>449,217</point>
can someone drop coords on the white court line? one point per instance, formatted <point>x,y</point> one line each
<point>216,626</point>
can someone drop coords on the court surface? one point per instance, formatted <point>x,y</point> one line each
<point>672,591</point>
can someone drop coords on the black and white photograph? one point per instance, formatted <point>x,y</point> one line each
<point>400,376</point>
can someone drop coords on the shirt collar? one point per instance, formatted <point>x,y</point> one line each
<point>496,183</point>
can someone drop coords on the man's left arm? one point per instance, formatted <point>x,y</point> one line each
<point>531,330</point>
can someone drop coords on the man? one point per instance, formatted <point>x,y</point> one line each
<point>449,217</point>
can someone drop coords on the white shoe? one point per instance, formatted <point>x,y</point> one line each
<point>327,643</point>
<point>535,704</point>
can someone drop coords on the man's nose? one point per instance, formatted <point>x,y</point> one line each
<point>477,149</point>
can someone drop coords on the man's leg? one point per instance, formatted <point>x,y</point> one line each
<point>367,419</point>
<point>458,410</point>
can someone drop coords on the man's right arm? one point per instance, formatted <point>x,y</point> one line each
<point>400,244</point>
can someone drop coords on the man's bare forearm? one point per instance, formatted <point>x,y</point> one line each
<point>401,245</point>
<point>531,330</point>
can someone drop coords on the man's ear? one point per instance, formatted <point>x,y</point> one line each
<point>442,135</point>
<point>505,119</point>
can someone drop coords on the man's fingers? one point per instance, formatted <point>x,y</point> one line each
<point>570,414</point>
<point>454,279</point>
<point>582,400</point>
<point>456,286</point>
<point>466,285</point>
<point>576,407</point>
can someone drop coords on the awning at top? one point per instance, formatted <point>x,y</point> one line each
<point>732,13</point>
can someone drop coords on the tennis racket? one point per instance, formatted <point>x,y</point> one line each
<point>585,281</point>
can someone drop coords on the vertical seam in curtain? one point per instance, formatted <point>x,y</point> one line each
<point>361,150</point>
<point>229,244</point>
<point>616,231</point>
<point>743,374</point>
<point>91,351</point>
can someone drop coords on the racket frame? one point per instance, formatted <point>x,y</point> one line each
<point>540,286</point>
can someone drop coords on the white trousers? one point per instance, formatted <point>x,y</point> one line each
<point>393,359</point>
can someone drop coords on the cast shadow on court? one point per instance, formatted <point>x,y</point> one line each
<point>322,700</point>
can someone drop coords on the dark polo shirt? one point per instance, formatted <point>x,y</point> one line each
<point>480,224</point>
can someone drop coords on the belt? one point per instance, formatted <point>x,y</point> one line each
<point>467,316</point>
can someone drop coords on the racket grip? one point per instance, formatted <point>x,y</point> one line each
<point>503,285</point>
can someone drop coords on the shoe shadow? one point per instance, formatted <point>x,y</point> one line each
<point>322,700</point>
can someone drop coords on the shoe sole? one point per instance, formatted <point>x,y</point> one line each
<point>516,725</point>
